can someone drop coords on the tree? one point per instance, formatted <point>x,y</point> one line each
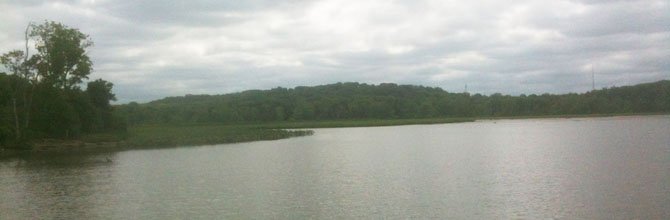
<point>100,93</point>
<point>7,123</point>
<point>52,76</point>
<point>55,115</point>
<point>61,59</point>
<point>14,62</point>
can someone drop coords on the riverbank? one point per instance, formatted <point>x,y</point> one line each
<point>573,116</point>
<point>157,136</point>
<point>165,136</point>
<point>359,123</point>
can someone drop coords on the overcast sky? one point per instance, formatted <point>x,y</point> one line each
<point>156,48</point>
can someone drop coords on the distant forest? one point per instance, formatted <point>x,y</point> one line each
<point>388,101</point>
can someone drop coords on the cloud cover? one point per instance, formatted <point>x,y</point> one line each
<point>154,48</point>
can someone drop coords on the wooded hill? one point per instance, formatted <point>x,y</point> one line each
<point>388,101</point>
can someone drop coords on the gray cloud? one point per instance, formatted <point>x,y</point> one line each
<point>151,49</point>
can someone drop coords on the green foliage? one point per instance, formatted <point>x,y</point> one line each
<point>42,99</point>
<point>61,58</point>
<point>11,107</point>
<point>54,117</point>
<point>6,129</point>
<point>13,61</point>
<point>355,101</point>
<point>60,113</point>
<point>100,93</point>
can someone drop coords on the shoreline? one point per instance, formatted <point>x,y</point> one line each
<point>572,116</point>
<point>171,136</point>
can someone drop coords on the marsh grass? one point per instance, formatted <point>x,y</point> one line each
<point>361,123</point>
<point>164,136</point>
<point>154,136</point>
<point>168,136</point>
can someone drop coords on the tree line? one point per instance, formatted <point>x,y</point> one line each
<point>40,95</point>
<point>388,101</point>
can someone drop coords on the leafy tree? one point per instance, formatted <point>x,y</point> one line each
<point>100,93</point>
<point>42,99</point>
<point>14,62</point>
<point>61,58</point>
<point>7,130</point>
<point>56,117</point>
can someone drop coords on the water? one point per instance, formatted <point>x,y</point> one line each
<point>590,168</point>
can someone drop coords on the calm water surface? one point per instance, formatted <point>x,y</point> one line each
<point>590,168</point>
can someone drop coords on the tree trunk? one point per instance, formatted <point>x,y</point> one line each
<point>26,104</point>
<point>27,101</point>
<point>16,120</point>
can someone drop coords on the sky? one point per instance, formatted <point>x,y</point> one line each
<point>151,49</point>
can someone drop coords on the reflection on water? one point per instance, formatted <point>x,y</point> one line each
<point>549,168</point>
<point>55,186</point>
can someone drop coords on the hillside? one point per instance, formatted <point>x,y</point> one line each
<point>388,101</point>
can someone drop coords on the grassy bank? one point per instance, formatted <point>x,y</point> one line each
<point>396,122</point>
<point>360,123</point>
<point>188,135</point>
<point>167,136</point>
<point>161,136</point>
